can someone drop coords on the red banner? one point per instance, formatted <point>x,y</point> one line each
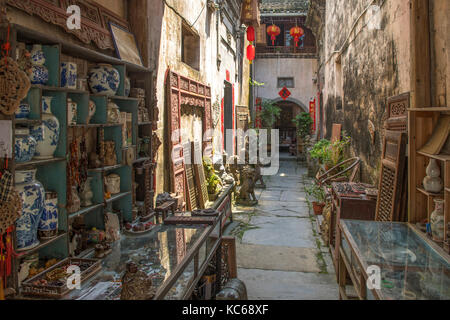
<point>312,112</point>
<point>258,109</point>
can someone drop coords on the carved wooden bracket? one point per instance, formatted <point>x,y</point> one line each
<point>94,18</point>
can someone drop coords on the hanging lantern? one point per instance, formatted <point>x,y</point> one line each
<point>251,34</point>
<point>251,51</point>
<point>273,31</point>
<point>297,33</point>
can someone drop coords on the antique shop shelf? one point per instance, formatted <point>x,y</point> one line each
<point>430,194</point>
<point>441,157</point>
<point>58,89</point>
<point>96,125</point>
<point>44,243</point>
<point>28,122</point>
<point>39,162</point>
<point>143,159</point>
<point>108,168</point>
<point>118,196</point>
<point>85,210</point>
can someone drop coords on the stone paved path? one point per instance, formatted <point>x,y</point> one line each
<point>279,254</point>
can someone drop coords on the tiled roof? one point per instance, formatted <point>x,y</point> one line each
<point>285,6</point>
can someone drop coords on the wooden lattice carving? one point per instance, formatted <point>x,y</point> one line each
<point>200,178</point>
<point>190,185</point>
<point>14,86</point>
<point>391,176</point>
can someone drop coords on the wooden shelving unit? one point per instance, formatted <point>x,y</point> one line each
<point>422,121</point>
<point>52,173</point>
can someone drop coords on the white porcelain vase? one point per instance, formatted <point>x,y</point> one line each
<point>437,220</point>
<point>47,133</point>
<point>433,182</point>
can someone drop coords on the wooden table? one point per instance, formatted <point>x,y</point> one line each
<point>411,266</point>
<point>347,206</point>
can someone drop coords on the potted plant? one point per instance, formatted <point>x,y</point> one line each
<point>317,193</point>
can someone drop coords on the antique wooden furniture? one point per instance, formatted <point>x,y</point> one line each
<point>411,266</point>
<point>181,91</point>
<point>53,172</point>
<point>191,190</point>
<point>163,209</point>
<point>200,179</point>
<point>347,203</point>
<point>336,173</point>
<point>421,124</point>
<point>391,176</point>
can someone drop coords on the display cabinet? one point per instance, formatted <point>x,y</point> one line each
<point>53,172</point>
<point>411,266</point>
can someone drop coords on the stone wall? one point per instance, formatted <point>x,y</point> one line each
<point>375,64</point>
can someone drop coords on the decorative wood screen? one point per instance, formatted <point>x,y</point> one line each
<point>184,91</point>
<point>391,176</point>
<point>191,191</point>
<point>200,178</point>
<point>95,18</point>
<point>397,120</point>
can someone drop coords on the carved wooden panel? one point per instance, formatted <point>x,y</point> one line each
<point>94,18</point>
<point>191,190</point>
<point>391,176</point>
<point>184,91</point>
<point>200,178</point>
<point>397,112</point>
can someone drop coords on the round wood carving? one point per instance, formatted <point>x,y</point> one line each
<point>14,86</point>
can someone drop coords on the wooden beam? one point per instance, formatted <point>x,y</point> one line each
<point>419,128</point>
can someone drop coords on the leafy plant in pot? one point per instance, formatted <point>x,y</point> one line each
<point>317,193</point>
<point>213,180</point>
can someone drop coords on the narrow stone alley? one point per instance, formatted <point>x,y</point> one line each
<point>280,255</point>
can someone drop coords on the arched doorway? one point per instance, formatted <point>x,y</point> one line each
<point>285,124</point>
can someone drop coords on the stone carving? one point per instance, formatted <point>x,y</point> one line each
<point>247,191</point>
<point>136,284</point>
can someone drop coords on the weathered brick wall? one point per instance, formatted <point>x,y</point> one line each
<point>375,66</point>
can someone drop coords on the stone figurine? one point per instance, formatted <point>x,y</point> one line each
<point>246,195</point>
<point>136,284</point>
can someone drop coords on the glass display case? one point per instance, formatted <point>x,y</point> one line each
<point>411,267</point>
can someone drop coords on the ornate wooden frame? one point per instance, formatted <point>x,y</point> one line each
<point>397,113</point>
<point>94,18</point>
<point>180,91</point>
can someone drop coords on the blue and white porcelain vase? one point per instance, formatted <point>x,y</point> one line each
<point>46,134</point>
<point>39,74</point>
<point>69,75</point>
<point>33,199</point>
<point>25,145</point>
<point>72,112</point>
<point>23,111</point>
<point>104,79</point>
<point>48,226</point>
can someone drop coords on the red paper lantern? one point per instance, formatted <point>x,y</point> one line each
<point>251,34</point>
<point>273,31</point>
<point>297,33</point>
<point>251,51</point>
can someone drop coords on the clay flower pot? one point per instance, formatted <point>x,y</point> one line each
<point>318,208</point>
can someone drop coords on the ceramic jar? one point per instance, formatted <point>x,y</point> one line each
<point>87,194</point>
<point>47,133</point>
<point>127,87</point>
<point>112,183</point>
<point>104,79</point>
<point>69,75</point>
<point>23,111</point>
<point>48,226</point>
<point>433,182</point>
<point>72,108</point>
<point>437,220</point>
<point>25,145</point>
<point>33,199</point>
<point>113,113</point>
<point>39,73</point>
<point>91,111</point>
